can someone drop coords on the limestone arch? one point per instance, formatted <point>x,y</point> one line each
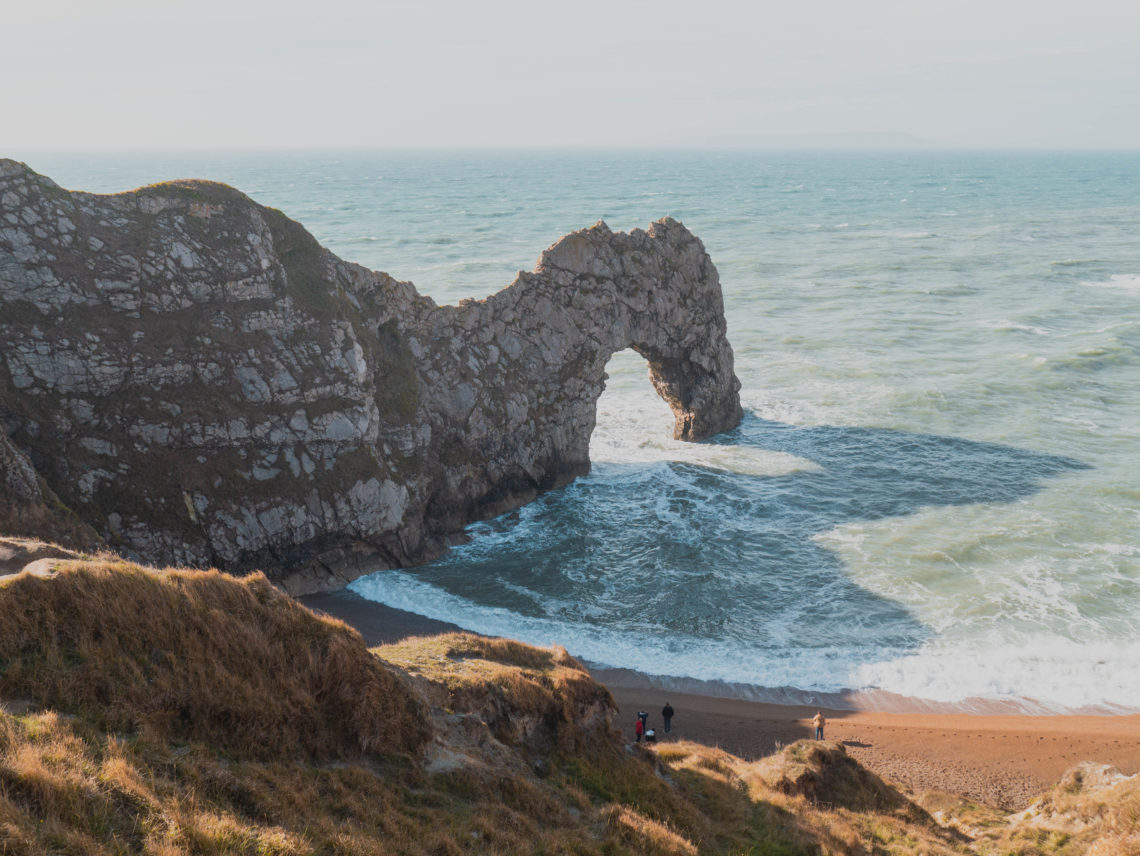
<point>658,293</point>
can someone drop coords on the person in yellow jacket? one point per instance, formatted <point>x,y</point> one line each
<point>819,720</point>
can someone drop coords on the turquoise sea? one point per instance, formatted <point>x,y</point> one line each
<point>936,488</point>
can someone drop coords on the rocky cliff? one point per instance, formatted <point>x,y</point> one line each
<point>193,378</point>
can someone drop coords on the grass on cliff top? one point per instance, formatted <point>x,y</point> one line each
<point>197,713</point>
<point>199,656</point>
<point>458,660</point>
<point>540,695</point>
<point>675,797</point>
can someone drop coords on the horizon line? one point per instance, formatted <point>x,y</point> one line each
<point>404,149</point>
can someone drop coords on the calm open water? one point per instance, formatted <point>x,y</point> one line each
<point>936,488</point>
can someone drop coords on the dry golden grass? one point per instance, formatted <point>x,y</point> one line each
<point>197,655</point>
<point>15,552</point>
<point>956,812</point>
<point>824,773</point>
<point>460,658</point>
<point>810,797</point>
<point>1093,810</point>
<point>64,789</point>
<point>644,834</point>
<point>171,713</point>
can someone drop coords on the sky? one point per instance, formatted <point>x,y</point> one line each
<point>389,73</point>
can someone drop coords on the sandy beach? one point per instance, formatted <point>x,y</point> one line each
<point>1000,759</point>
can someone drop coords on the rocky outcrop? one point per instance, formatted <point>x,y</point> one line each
<point>29,506</point>
<point>203,384</point>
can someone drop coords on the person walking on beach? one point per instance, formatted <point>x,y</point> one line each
<point>639,728</point>
<point>667,715</point>
<point>819,720</point>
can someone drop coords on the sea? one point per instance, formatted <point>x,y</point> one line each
<point>935,491</point>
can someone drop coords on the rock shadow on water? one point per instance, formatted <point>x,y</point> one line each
<point>872,473</point>
<point>685,555</point>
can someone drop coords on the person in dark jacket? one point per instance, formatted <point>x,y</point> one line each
<point>667,715</point>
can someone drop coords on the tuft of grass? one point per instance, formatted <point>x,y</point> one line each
<point>635,831</point>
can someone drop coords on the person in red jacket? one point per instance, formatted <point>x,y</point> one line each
<point>639,728</point>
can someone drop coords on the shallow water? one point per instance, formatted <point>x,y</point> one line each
<point>934,491</point>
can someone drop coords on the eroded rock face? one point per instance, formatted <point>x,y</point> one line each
<point>203,384</point>
<point>29,507</point>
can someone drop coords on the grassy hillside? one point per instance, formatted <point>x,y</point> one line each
<point>200,656</point>
<point>182,712</point>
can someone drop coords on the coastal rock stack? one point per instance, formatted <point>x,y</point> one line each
<point>191,376</point>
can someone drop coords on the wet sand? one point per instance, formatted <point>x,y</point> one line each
<point>1000,759</point>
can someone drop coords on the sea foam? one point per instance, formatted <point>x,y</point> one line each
<point>1043,673</point>
<point>1127,282</point>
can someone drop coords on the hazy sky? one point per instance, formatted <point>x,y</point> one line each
<point>378,73</point>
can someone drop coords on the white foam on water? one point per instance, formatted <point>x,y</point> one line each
<point>1052,673</point>
<point>1121,325</point>
<point>1058,673</point>
<point>819,401</point>
<point>816,669</point>
<point>1126,282</point>
<point>1006,324</point>
<point>635,426</point>
<point>628,445</point>
<point>1113,549</point>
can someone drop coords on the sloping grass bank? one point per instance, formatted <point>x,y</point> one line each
<point>200,656</point>
<point>182,712</point>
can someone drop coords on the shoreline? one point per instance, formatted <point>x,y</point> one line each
<point>991,752</point>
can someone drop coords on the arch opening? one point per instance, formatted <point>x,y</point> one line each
<point>631,418</point>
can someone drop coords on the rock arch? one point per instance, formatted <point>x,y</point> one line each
<point>596,292</point>
<point>530,359</point>
<point>662,298</point>
<point>202,383</point>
